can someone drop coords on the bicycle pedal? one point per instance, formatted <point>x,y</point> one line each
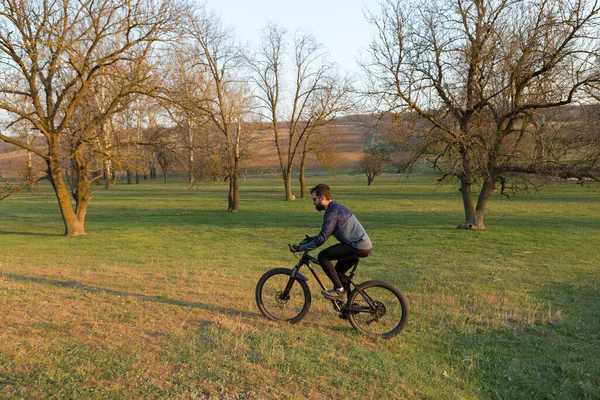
<point>343,316</point>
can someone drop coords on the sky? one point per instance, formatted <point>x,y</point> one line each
<point>340,25</point>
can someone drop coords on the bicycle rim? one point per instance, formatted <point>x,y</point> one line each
<point>272,302</point>
<point>384,315</point>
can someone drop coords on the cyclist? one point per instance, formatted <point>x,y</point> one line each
<point>344,226</point>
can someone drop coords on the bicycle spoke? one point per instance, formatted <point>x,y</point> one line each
<point>383,314</point>
<point>276,304</point>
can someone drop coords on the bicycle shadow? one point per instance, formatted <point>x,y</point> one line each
<point>156,299</point>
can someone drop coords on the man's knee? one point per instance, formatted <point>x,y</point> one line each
<point>322,257</point>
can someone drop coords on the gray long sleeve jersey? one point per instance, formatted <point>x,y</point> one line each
<point>343,225</point>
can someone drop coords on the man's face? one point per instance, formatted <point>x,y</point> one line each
<point>317,201</point>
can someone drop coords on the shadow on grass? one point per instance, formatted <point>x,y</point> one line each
<point>156,299</point>
<point>24,233</point>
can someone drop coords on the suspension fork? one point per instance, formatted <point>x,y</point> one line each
<point>295,274</point>
<point>288,287</point>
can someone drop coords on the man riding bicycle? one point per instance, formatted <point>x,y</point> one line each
<point>344,226</point>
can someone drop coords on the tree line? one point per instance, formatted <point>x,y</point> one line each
<point>472,85</point>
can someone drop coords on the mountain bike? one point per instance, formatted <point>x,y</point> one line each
<point>375,308</point>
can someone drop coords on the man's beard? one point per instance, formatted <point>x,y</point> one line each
<point>319,207</point>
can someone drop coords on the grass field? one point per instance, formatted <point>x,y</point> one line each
<point>157,300</point>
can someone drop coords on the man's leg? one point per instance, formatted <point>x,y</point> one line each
<point>341,267</point>
<point>346,256</point>
<point>326,256</point>
<point>345,263</point>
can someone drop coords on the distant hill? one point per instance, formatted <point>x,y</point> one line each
<point>352,133</point>
<point>349,137</point>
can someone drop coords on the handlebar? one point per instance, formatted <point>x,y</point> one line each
<point>307,239</point>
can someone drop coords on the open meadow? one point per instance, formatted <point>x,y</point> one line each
<point>157,300</point>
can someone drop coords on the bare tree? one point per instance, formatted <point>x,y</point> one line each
<point>485,76</point>
<point>185,91</point>
<point>323,144</point>
<point>317,95</point>
<point>136,141</point>
<point>226,99</point>
<point>376,156</point>
<point>53,55</point>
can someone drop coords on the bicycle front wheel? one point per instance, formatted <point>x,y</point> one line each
<point>377,308</point>
<point>282,298</point>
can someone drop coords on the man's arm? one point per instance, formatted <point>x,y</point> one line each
<point>329,224</point>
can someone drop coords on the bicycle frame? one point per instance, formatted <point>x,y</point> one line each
<point>339,306</point>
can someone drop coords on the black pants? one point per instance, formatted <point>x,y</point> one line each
<point>345,255</point>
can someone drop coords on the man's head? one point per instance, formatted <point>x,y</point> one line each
<point>321,196</point>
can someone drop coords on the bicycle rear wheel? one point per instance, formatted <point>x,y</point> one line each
<point>382,310</point>
<point>277,305</point>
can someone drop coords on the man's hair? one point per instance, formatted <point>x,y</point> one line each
<point>322,190</point>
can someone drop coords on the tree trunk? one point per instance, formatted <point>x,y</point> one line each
<point>29,173</point>
<point>287,183</point>
<point>192,175</point>
<point>74,224</point>
<point>84,195</point>
<point>164,167</point>
<point>302,178</point>
<point>234,162</point>
<point>73,174</point>
<point>108,175</point>
<point>474,215</point>
<point>469,207</point>
<point>234,193</point>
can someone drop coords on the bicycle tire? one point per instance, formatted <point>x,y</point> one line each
<point>390,315</point>
<point>269,299</point>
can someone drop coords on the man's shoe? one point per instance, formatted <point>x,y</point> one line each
<point>334,294</point>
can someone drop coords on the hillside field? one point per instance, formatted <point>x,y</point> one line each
<point>157,300</point>
<point>351,135</point>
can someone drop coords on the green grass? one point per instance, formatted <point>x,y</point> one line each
<point>157,300</point>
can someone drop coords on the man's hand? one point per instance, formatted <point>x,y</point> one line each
<point>307,239</point>
<point>294,248</point>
